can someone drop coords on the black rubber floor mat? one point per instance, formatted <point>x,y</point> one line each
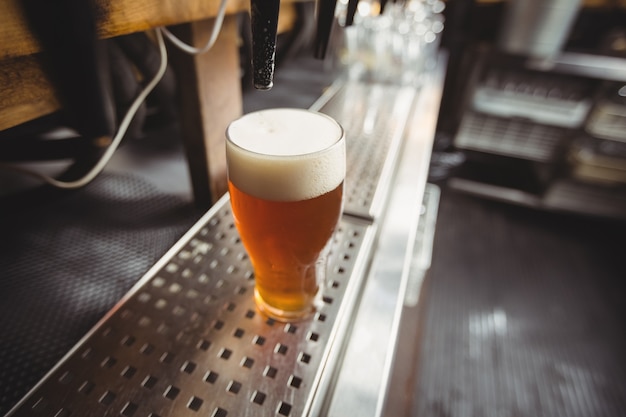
<point>65,261</point>
<point>524,315</point>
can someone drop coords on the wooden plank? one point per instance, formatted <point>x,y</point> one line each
<point>116,17</point>
<point>210,98</point>
<point>26,92</point>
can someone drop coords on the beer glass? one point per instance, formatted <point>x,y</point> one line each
<point>286,169</point>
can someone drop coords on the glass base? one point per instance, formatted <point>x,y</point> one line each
<point>282,315</point>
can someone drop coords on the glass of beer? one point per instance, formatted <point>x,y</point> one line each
<point>286,170</point>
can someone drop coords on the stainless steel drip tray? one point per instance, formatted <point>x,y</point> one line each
<point>187,340</point>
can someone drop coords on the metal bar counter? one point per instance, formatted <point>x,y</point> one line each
<point>187,340</point>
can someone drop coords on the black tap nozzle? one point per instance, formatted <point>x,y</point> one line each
<point>351,11</point>
<point>325,11</point>
<point>383,3</point>
<point>264,26</point>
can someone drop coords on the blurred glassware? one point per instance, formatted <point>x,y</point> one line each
<point>394,46</point>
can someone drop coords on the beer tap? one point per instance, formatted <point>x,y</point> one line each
<point>383,3</point>
<point>264,27</point>
<point>325,11</point>
<point>350,12</point>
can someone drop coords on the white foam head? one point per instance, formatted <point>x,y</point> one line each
<point>285,154</point>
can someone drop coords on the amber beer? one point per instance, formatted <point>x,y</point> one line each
<point>285,176</point>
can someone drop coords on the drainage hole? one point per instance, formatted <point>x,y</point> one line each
<point>219,412</point>
<point>247,362</point>
<point>188,367</point>
<point>204,344</point>
<point>128,340</point>
<point>194,403</point>
<point>171,392</point>
<point>62,413</point>
<point>129,372</point>
<point>258,397</point>
<point>211,377</point>
<point>129,409</point>
<point>294,381</point>
<point>313,336</point>
<point>284,408</point>
<point>147,349</point>
<point>270,372</point>
<point>281,349</point>
<point>167,357</point>
<point>108,362</point>
<point>149,382</point>
<point>225,353</point>
<point>66,378</point>
<point>86,387</point>
<point>107,398</point>
<point>233,387</point>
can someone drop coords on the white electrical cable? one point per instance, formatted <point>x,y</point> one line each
<point>219,19</point>
<point>117,139</point>
<point>106,157</point>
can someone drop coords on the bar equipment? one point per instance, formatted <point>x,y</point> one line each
<point>325,13</point>
<point>352,6</point>
<point>264,25</point>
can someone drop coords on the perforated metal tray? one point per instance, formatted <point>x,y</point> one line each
<point>187,339</point>
<point>374,117</point>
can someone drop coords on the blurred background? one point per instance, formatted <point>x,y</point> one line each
<point>535,102</point>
